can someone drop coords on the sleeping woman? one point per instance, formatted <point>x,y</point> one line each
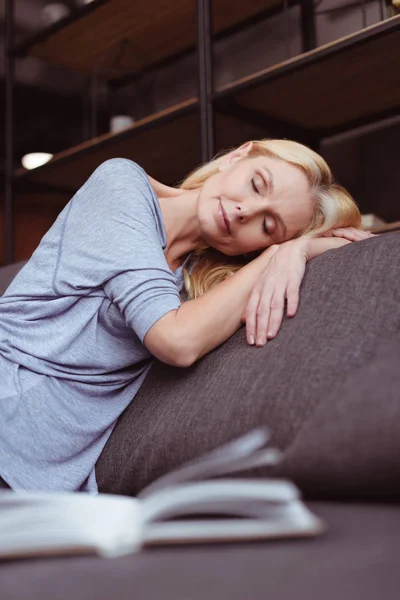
<point>133,270</point>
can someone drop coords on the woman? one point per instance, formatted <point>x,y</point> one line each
<point>100,296</point>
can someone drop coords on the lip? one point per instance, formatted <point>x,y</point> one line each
<point>224,219</point>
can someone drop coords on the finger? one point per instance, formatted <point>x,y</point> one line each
<point>262,319</point>
<point>293,297</point>
<point>364,235</point>
<point>361,234</point>
<point>367,234</point>
<point>276,313</point>
<point>352,233</point>
<point>347,234</point>
<point>250,317</point>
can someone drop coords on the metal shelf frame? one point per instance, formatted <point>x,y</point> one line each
<point>207,97</point>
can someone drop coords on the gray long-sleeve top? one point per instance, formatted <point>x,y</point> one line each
<point>72,325</point>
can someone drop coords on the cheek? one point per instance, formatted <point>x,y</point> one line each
<point>205,210</point>
<point>252,240</point>
<point>208,228</point>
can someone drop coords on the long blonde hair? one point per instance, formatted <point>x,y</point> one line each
<point>333,207</point>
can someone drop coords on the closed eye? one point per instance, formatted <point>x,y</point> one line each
<point>255,187</point>
<point>265,226</point>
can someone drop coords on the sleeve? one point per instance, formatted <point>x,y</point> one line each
<point>112,240</point>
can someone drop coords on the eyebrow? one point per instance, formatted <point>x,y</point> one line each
<point>270,185</point>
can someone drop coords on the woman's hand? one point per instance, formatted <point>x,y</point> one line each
<point>280,281</point>
<point>349,233</point>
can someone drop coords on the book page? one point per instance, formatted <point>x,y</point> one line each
<point>244,453</point>
<point>255,498</point>
<point>51,523</point>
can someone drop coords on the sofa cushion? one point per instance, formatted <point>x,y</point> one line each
<point>349,303</point>
<point>357,559</point>
<point>350,446</point>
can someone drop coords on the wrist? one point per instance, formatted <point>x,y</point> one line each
<point>264,258</point>
<point>316,246</point>
<point>302,246</point>
<point>268,253</point>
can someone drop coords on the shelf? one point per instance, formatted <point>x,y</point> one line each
<point>340,85</point>
<point>146,33</point>
<point>166,145</point>
<point>395,226</point>
<point>323,91</point>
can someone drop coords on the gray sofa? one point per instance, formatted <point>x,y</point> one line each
<point>328,388</point>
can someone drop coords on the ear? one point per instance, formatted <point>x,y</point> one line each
<point>235,155</point>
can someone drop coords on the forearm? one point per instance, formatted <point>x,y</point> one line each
<point>198,326</point>
<point>210,320</point>
<point>317,246</point>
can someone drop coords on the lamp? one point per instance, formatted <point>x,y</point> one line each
<point>35,159</point>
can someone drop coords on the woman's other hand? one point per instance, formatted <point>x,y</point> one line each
<point>349,233</point>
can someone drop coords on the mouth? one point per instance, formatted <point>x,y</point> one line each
<point>225,218</point>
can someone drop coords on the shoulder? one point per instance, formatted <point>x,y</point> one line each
<point>123,167</point>
<point>119,180</point>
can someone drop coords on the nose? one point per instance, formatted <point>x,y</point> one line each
<point>246,211</point>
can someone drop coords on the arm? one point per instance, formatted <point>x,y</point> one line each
<point>316,246</point>
<point>183,336</point>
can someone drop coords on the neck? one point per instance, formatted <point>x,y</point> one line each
<point>179,213</point>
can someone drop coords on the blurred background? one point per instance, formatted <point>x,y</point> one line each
<point>92,80</point>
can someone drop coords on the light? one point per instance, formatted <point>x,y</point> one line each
<point>35,159</point>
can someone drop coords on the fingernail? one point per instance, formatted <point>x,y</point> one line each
<point>251,340</point>
<point>271,334</point>
<point>261,341</point>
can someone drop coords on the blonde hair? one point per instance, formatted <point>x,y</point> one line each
<point>333,207</point>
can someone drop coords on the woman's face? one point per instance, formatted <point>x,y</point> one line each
<point>265,201</point>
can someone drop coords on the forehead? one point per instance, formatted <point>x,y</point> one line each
<point>285,175</point>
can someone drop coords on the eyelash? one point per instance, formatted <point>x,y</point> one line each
<point>265,228</point>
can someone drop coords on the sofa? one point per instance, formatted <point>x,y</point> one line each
<point>328,389</point>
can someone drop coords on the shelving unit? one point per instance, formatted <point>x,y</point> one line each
<point>395,226</point>
<point>341,85</point>
<point>166,145</point>
<point>120,40</point>
<point>128,37</point>
<point>338,86</point>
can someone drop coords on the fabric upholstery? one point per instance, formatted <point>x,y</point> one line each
<point>349,303</point>
<point>357,558</point>
<point>350,446</point>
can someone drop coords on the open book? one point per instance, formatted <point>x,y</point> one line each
<point>184,506</point>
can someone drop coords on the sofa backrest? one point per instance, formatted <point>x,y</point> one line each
<point>349,311</point>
